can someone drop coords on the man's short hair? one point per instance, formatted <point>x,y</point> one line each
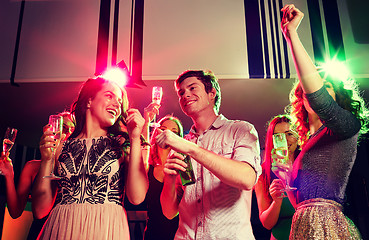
<point>208,79</point>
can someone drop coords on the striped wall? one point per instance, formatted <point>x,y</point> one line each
<point>159,39</point>
<point>268,53</point>
<point>245,41</point>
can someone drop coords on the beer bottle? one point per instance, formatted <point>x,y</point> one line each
<point>187,177</point>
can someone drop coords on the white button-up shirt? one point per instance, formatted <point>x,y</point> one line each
<point>211,209</point>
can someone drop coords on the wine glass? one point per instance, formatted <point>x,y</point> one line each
<point>157,94</point>
<point>281,166</point>
<point>9,138</point>
<point>56,123</point>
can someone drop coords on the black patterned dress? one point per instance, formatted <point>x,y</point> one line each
<point>90,193</point>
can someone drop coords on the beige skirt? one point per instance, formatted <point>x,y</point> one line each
<point>322,219</point>
<point>86,221</point>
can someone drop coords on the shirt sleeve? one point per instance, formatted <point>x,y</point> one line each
<point>340,121</point>
<point>246,147</point>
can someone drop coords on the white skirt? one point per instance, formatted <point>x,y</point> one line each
<point>86,221</point>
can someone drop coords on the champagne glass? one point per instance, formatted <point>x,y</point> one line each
<point>157,94</point>
<point>281,166</point>
<point>56,123</point>
<point>9,138</point>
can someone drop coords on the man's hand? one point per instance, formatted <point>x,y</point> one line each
<point>174,164</point>
<point>169,139</point>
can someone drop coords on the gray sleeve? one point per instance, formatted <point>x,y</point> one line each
<point>340,121</point>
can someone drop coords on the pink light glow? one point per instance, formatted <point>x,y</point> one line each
<point>116,75</point>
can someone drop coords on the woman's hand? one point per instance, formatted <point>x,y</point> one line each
<point>291,19</point>
<point>151,111</point>
<point>168,138</point>
<point>135,123</point>
<point>48,144</point>
<point>6,166</point>
<point>276,190</point>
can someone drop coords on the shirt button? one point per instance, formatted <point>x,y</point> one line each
<point>199,200</point>
<point>199,224</point>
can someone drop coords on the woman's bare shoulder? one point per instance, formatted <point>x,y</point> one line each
<point>32,166</point>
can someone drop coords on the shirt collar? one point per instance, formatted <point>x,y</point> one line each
<point>219,122</point>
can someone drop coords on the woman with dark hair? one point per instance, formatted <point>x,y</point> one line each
<point>330,117</point>
<point>158,226</point>
<point>275,210</point>
<point>96,165</point>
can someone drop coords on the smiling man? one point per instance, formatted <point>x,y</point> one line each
<point>226,161</point>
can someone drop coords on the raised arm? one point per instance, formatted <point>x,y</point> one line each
<point>137,182</point>
<point>6,169</point>
<point>306,70</point>
<point>17,198</point>
<point>44,189</point>
<point>149,113</point>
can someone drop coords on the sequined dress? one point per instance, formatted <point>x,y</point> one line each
<point>321,172</point>
<point>90,193</point>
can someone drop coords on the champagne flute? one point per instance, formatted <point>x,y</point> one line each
<point>281,165</point>
<point>157,94</point>
<point>56,123</point>
<point>9,139</point>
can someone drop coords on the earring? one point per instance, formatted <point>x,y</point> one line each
<point>89,103</point>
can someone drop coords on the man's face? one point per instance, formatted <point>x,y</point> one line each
<point>193,98</point>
